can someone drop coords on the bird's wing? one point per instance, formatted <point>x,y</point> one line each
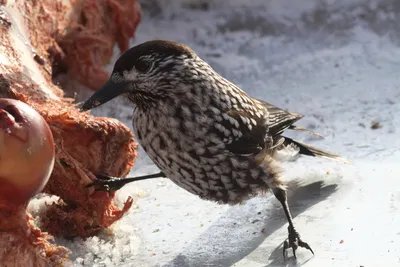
<point>279,120</point>
<point>249,132</point>
<point>256,131</point>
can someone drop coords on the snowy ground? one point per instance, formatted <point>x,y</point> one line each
<point>338,63</point>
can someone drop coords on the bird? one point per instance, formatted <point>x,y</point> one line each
<point>203,132</point>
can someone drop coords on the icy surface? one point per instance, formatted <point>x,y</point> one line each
<point>336,62</point>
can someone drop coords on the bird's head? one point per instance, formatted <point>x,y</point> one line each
<point>147,72</point>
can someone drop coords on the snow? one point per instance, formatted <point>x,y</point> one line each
<point>336,62</point>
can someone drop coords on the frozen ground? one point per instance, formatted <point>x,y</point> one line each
<point>338,63</point>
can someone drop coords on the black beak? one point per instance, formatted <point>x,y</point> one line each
<point>106,93</point>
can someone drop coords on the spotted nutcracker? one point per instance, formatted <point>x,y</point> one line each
<point>203,132</point>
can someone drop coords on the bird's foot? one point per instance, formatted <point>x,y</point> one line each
<point>294,241</point>
<point>107,183</point>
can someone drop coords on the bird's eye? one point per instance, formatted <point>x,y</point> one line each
<point>143,66</point>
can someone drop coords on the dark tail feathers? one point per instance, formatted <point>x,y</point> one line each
<point>314,152</point>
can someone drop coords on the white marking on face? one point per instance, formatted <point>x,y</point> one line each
<point>130,75</point>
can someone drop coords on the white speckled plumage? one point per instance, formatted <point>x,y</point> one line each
<point>158,128</point>
<point>203,132</point>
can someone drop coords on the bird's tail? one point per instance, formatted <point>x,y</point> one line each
<point>308,150</point>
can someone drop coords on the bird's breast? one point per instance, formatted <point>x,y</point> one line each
<point>195,161</point>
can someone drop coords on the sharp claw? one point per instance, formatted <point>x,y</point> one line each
<point>294,242</point>
<point>285,247</point>
<point>305,245</point>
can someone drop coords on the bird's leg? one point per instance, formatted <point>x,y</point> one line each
<point>108,183</point>
<point>294,241</point>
